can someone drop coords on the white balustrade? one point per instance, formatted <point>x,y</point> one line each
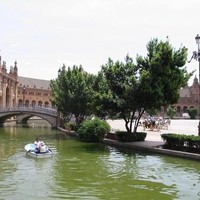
<point>36,109</point>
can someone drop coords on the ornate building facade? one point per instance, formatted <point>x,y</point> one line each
<point>22,91</point>
<point>8,85</point>
<point>189,98</point>
<point>33,92</point>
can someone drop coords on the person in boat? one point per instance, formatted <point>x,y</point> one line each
<point>42,147</point>
<point>37,144</point>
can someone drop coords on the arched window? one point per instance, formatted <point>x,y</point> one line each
<point>185,109</point>
<point>27,103</point>
<point>39,103</point>
<point>7,97</point>
<point>178,109</point>
<point>46,104</point>
<point>20,103</point>
<point>33,103</point>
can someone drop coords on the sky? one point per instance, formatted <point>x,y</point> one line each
<point>42,35</point>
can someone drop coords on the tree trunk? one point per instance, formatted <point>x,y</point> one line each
<point>129,122</point>
<point>137,120</point>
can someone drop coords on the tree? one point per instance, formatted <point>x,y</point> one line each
<point>72,92</point>
<point>171,112</point>
<point>165,73</point>
<point>152,82</point>
<point>118,91</point>
<point>192,112</point>
<point>165,67</point>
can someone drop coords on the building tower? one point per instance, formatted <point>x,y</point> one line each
<point>8,85</point>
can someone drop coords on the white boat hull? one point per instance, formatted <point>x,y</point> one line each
<point>39,155</point>
<point>31,151</point>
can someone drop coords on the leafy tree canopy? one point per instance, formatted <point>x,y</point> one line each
<point>163,69</point>
<point>154,81</point>
<point>72,92</point>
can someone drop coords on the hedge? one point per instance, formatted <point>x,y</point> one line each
<point>124,136</point>
<point>189,143</point>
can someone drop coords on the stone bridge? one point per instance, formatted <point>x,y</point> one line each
<point>24,113</point>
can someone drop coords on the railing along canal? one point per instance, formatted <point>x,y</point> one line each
<point>38,109</point>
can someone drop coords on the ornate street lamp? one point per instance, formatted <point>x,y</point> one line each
<point>196,56</point>
<point>197,38</point>
<point>24,90</point>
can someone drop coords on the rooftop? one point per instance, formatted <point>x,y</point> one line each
<point>33,83</point>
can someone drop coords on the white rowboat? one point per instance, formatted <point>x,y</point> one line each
<point>32,152</point>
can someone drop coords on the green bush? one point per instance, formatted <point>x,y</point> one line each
<point>70,125</point>
<point>141,136</point>
<point>192,112</point>
<point>171,112</point>
<point>189,143</point>
<point>93,130</point>
<point>174,141</point>
<point>124,136</point>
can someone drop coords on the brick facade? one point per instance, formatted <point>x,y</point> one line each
<point>33,92</point>
<point>8,85</point>
<point>189,97</point>
<point>22,91</point>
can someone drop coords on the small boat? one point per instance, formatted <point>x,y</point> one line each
<point>32,151</point>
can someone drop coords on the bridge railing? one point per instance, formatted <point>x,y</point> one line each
<point>44,110</point>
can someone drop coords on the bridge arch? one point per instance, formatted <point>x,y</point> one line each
<point>25,117</point>
<point>48,114</point>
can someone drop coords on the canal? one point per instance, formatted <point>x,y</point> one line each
<point>89,171</point>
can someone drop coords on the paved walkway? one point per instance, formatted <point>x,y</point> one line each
<point>187,127</point>
<point>153,141</point>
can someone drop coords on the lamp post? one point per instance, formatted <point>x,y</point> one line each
<point>197,38</point>
<point>24,90</point>
<point>196,56</point>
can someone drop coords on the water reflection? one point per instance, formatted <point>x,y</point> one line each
<point>89,171</point>
<point>178,177</point>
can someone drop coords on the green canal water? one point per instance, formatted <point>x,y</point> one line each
<point>89,171</point>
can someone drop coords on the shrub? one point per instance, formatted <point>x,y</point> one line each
<point>141,136</point>
<point>93,130</point>
<point>173,141</point>
<point>70,126</point>
<point>124,136</point>
<point>192,112</point>
<point>171,112</point>
<point>189,143</point>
